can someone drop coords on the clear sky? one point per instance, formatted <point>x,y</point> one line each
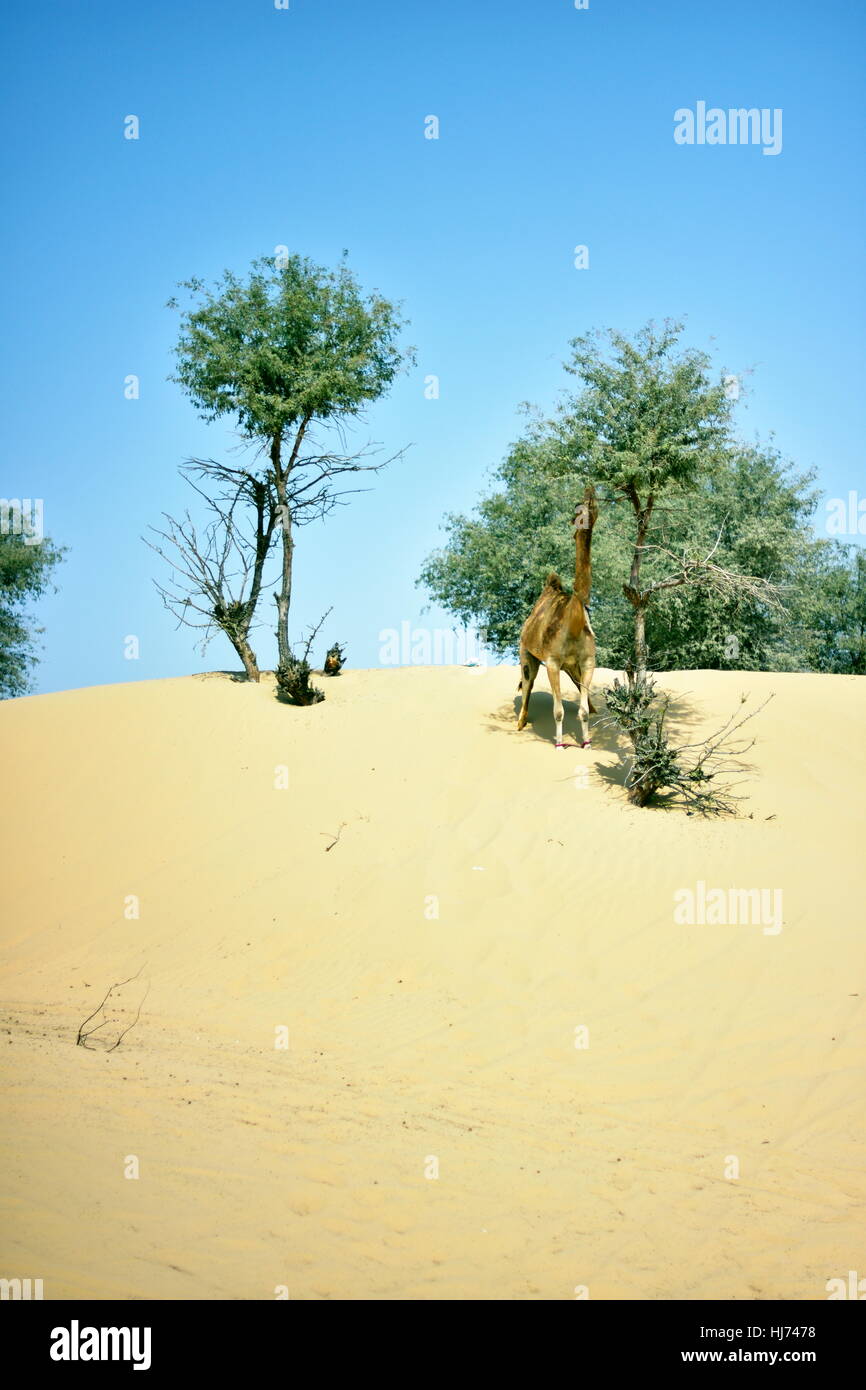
<point>304,127</point>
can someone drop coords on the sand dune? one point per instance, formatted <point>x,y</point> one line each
<point>431,908</point>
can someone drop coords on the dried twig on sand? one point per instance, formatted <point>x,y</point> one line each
<point>85,1033</point>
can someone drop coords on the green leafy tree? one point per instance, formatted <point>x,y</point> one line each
<point>291,352</point>
<point>699,534</point>
<point>829,608</point>
<point>651,424</point>
<point>757,510</point>
<point>26,565</point>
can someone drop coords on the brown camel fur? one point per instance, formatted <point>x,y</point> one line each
<point>558,631</point>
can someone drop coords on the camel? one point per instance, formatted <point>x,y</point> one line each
<point>558,631</point>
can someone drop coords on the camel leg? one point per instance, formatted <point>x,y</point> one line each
<point>529,665</point>
<point>574,673</point>
<point>558,711</point>
<point>587,671</point>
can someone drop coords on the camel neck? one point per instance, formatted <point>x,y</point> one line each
<point>582,562</point>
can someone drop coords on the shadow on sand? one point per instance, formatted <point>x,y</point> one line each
<point>685,720</point>
<point>239,677</point>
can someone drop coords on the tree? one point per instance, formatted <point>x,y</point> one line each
<point>692,550</point>
<point>292,352</point>
<point>26,565</point>
<point>218,572</point>
<point>650,423</point>
<point>762,509</point>
<point>830,608</point>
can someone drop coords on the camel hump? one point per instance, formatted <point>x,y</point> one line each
<point>553,581</point>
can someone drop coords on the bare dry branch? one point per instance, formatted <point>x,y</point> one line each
<point>314,632</point>
<point>82,1038</point>
<point>218,572</point>
<point>729,583</point>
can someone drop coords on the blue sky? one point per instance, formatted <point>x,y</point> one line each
<point>305,127</point>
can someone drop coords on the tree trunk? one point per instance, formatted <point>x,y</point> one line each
<point>284,597</point>
<point>284,511</point>
<point>247,656</point>
<point>640,652</point>
<point>636,669</point>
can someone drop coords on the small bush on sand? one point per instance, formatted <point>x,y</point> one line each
<point>697,775</point>
<point>293,674</point>
<point>293,683</point>
<point>334,659</point>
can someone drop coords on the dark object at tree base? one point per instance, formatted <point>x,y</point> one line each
<point>334,660</point>
<point>293,683</point>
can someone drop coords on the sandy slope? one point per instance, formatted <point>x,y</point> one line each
<point>414,1037</point>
